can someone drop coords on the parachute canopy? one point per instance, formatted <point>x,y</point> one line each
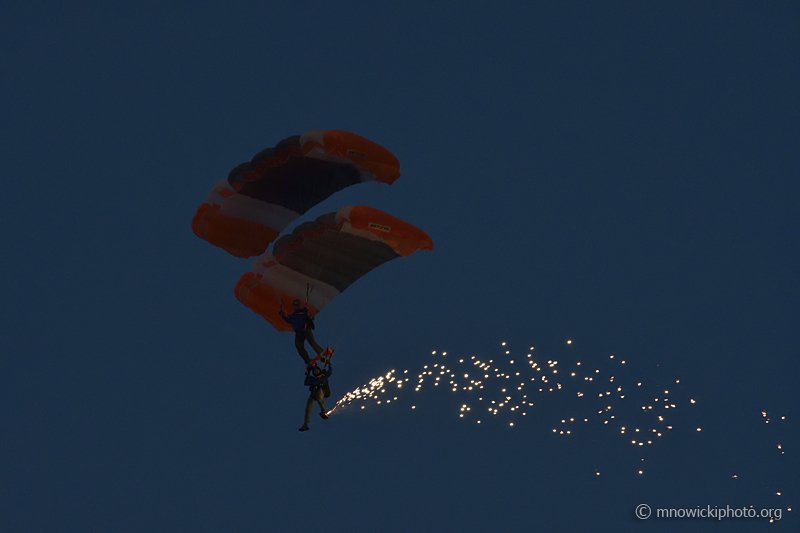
<point>247,211</point>
<point>320,259</point>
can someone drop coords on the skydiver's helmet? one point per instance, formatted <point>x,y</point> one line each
<point>296,305</point>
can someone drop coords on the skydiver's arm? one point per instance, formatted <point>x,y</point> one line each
<point>309,318</point>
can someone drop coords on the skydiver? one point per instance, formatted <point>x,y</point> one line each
<point>303,323</point>
<point>317,382</point>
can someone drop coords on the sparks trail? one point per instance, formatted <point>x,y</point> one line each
<point>564,396</point>
<point>780,442</point>
<point>511,388</point>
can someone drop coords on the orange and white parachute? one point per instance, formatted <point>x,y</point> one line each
<point>247,211</point>
<point>320,259</point>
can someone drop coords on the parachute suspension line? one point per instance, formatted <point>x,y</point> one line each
<point>309,290</point>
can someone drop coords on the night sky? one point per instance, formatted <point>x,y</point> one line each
<point>623,176</point>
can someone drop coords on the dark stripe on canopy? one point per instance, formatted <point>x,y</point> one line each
<point>320,251</point>
<point>299,183</point>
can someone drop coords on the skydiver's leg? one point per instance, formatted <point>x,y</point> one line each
<point>309,408</point>
<point>310,338</point>
<point>320,398</point>
<point>299,341</point>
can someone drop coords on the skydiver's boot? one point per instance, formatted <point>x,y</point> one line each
<point>304,428</point>
<point>324,415</point>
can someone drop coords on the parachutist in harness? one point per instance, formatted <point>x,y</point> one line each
<point>303,324</point>
<point>317,382</point>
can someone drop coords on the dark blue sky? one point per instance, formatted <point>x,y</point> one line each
<point>623,176</point>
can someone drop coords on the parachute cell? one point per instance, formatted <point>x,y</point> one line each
<point>320,259</point>
<point>247,211</point>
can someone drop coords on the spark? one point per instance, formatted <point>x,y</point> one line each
<point>507,403</point>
